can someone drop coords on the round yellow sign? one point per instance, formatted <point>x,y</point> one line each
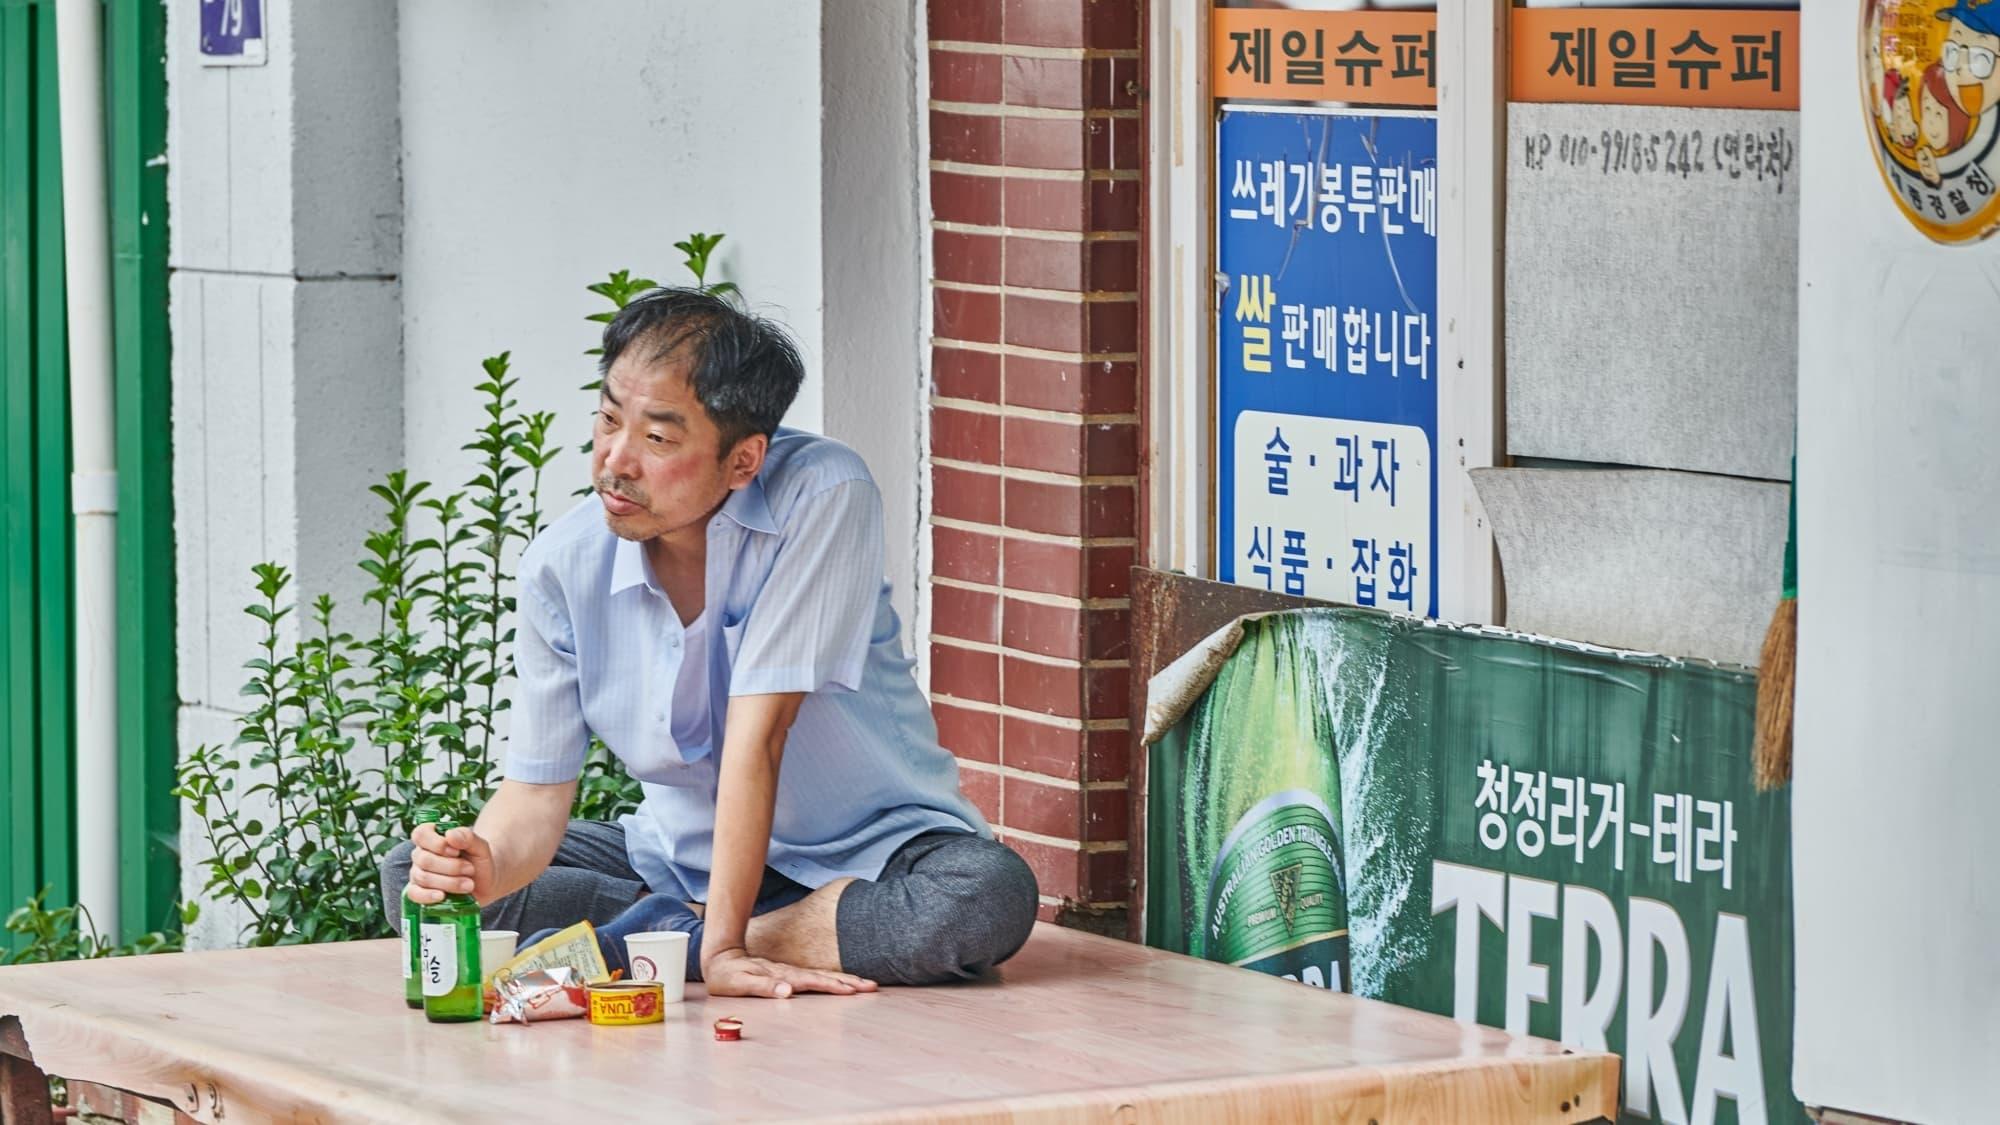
<point>1930,73</point>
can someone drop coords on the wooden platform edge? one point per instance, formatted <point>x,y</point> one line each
<point>76,1045</point>
<point>1577,1087</point>
<point>215,1083</point>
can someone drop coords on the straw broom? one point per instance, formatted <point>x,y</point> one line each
<point>1777,667</point>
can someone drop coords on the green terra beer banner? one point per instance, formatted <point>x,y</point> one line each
<point>1547,837</point>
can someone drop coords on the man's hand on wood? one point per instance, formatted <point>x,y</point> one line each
<point>733,972</point>
<point>457,862</point>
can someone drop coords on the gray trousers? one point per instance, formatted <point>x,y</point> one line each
<point>948,906</point>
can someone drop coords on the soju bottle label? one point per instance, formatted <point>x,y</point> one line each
<point>1277,901</point>
<point>409,970</point>
<point>440,958</point>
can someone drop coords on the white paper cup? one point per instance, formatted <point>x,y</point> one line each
<point>496,948</point>
<point>661,956</point>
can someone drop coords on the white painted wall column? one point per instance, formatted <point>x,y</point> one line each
<point>871,262</point>
<point>1472,135</point>
<point>1897,896</point>
<point>1180,291</point>
<point>285,248</point>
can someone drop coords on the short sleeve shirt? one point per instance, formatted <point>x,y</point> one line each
<point>795,602</point>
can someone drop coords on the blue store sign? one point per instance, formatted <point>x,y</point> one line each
<point>1327,398</point>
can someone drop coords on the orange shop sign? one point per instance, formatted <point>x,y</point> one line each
<point>1648,56</point>
<point>1374,58</point>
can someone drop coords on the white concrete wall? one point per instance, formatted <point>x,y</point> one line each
<point>407,188</point>
<point>283,247</point>
<point>1898,898</point>
<point>873,268</point>
<point>547,143</point>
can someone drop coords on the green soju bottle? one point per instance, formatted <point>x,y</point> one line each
<point>413,989</point>
<point>448,956</point>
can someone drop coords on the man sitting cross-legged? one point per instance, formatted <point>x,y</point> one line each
<point>717,614</point>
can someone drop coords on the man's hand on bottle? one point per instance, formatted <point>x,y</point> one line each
<point>457,862</point>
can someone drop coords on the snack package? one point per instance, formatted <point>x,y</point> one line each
<point>539,994</point>
<point>575,947</point>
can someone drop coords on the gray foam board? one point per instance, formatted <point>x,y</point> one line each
<point>1684,564</point>
<point>1652,315</point>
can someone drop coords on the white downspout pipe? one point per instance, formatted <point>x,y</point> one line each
<point>94,450</point>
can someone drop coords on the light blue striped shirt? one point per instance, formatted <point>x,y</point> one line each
<point>796,602</point>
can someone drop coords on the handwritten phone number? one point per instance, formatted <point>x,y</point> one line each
<point>1764,156</point>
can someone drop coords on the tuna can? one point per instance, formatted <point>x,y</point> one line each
<point>626,1002</point>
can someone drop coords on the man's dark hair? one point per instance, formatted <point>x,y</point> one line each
<point>745,370</point>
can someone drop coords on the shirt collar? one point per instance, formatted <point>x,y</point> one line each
<point>746,506</point>
<point>628,567</point>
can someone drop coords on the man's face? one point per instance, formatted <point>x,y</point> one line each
<point>656,457</point>
<point>1969,59</point>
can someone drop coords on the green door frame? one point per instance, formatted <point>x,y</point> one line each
<point>35,659</point>
<point>148,691</point>
<point>37,840</point>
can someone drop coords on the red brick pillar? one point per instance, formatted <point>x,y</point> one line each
<point>1035,161</point>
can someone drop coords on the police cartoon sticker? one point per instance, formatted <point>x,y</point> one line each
<point>1931,90</point>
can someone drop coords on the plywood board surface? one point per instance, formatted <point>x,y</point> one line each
<point>1078,1025</point>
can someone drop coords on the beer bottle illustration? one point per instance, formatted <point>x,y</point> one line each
<point>1266,819</point>
<point>448,963</point>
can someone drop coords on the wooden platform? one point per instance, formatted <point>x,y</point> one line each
<point>1080,1027</point>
